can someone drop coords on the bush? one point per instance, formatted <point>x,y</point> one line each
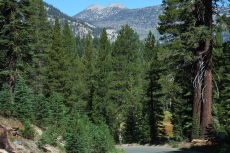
<point>49,136</point>
<point>28,131</point>
<point>88,137</point>
<point>174,144</point>
<point>6,108</point>
<point>225,148</point>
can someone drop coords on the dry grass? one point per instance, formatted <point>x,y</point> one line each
<point>167,123</point>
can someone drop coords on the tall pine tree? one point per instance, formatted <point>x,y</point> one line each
<point>15,39</point>
<point>153,107</point>
<point>41,41</point>
<point>56,65</point>
<point>101,105</point>
<point>125,84</point>
<point>188,24</point>
<point>89,61</point>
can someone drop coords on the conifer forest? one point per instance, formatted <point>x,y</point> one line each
<point>95,93</point>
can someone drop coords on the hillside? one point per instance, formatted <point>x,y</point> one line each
<point>79,27</point>
<point>13,139</point>
<point>142,20</point>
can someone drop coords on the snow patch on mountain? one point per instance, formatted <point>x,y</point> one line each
<point>95,7</point>
<point>119,5</point>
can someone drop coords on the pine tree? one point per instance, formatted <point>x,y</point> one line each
<point>41,41</point>
<point>15,40</point>
<point>57,109</point>
<point>88,60</point>
<point>125,85</point>
<point>153,107</point>
<point>70,58</point>
<point>80,45</point>
<point>6,106</point>
<point>100,96</point>
<point>42,111</point>
<point>23,102</point>
<point>181,22</point>
<point>221,107</point>
<point>224,97</point>
<point>55,66</point>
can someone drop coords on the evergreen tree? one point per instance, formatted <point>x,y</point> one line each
<point>70,64</point>
<point>153,107</point>
<point>57,109</point>
<point>23,102</point>
<point>41,41</point>
<point>55,68</point>
<point>80,45</point>
<point>42,111</point>
<point>84,136</point>
<point>181,22</point>
<point>223,102</point>
<point>125,85</point>
<point>15,40</point>
<point>6,107</point>
<point>100,96</point>
<point>88,60</point>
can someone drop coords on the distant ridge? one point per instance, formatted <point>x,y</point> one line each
<point>78,27</point>
<point>119,5</point>
<point>142,20</point>
<point>95,7</point>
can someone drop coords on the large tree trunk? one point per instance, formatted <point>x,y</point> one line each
<point>197,84</point>
<point>202,93</point>
<point>206,119</point>
<point>198,77</point>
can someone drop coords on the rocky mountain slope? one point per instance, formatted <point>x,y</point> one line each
<point>79,27</point>
<point>142,20</point>
<point>96,17</point>
<point>12,140</point>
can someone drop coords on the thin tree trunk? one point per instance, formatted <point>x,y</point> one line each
<point>11,77</point>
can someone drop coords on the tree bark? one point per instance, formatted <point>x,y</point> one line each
<point>202,92</point>
<point>11,77</point>
<point>198,77</point>
<point>197,101</point>
<point>206,119</point>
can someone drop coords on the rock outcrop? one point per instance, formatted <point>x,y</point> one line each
<point>4,142</point>
<point>11,141</point>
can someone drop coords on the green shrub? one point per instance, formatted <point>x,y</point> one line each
<point>28,131</point>
<point>86,137</point>
<point>225,148</point>
<point>49,136</point>
<point>174,144</point>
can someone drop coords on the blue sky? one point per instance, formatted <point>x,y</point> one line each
<point>72,7</point>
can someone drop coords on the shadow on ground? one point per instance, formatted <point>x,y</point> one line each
<point>218,148</point>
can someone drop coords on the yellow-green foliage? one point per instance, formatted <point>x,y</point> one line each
<point>167,123</point>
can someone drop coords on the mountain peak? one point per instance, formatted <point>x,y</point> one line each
<point>119,5</point>
<point>95,7</point>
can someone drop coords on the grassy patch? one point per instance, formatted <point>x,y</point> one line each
<point>167,123</point>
